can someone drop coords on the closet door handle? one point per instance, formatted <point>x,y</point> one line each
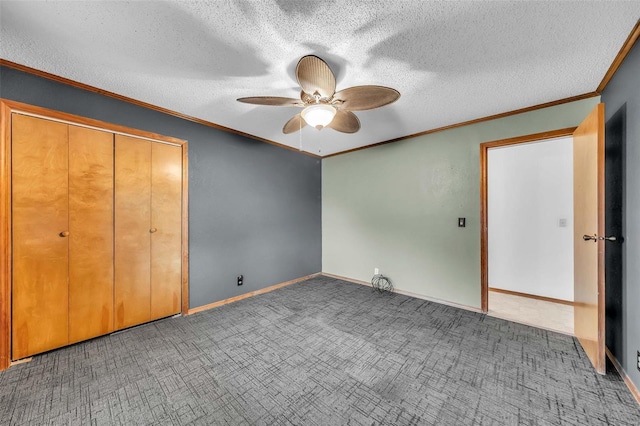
<point>152,230</point>
<point>63,234</point>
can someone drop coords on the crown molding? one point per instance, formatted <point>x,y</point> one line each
<point>475,121</point>
<point>620,57</point>
<point>77,84</point>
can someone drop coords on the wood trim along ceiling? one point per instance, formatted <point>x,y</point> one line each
<point>622,54</point>
<point>620,57</point>
<point>475,121</point>
<point>627,380</point>
<point>7,108</point>
<point>532,296</point>
<point>484,219</point>
<point>250,294</point>
<point>93,89</point>
<point>142,104</point>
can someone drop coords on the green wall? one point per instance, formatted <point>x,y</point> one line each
<point>395,206</point>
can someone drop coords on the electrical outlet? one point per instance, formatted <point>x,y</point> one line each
<point>638,361</point>
<point>376,271</point>
<point>462,222</point>
<point>240,279</point>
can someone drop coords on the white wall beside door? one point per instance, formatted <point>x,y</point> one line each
<point>530,218</point>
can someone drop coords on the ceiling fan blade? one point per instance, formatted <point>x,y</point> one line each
<point>314,75</point>
<point>272,101</point>
<point>296,123</point>
<point>360,98</point>
<point>345,122</point>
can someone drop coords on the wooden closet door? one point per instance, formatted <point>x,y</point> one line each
<point>91,233</point>
<point>166,224</point>
<point>39,162</point>
<point>132,231</point>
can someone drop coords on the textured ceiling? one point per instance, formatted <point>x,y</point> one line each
<point>451,61</point>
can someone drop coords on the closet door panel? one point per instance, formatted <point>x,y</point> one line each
<point>166,224</point>
<point>91,233</point>
<point>39,189</point>
<point>132,236</point>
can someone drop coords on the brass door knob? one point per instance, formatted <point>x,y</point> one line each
<point>63,234</point>
<point>152,230</point>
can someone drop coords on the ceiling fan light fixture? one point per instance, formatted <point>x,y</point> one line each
<point>318,115</point>
<point>321,102</point>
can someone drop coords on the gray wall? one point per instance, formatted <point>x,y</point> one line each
<point>254,208</point>
<point>395,207</point>
<point>622,107</point>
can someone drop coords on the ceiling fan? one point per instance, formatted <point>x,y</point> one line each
<point>323,106</point>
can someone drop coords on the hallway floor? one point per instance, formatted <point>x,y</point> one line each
<point>538,313</point>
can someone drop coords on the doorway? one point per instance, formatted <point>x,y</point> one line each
<point>528,240</point>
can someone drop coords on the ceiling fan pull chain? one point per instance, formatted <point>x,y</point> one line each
<point>300,134</point>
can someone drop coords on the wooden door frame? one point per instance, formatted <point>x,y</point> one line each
<point>484,212</point>
<point>8,107</point>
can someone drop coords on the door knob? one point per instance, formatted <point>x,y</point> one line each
<point>608,238</point>
<point>593,237</point>
<point>152,230</point>
<point>63,234</point>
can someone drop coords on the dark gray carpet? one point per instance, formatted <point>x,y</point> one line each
<point>322,352</point>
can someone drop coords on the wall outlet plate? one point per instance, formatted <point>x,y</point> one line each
<point>376,271</point>
<point>462,222</point>
<point>240,279</point>
<point>638,361</point>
